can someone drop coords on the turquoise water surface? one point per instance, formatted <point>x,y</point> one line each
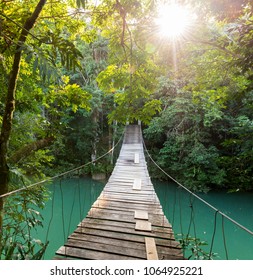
<point>184,212</point>
<point>69,203</point>
<point>71,199</point>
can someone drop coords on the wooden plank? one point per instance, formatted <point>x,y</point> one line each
<point>105,213</point>
<point>142,215</point>
<point>152,204</point>
<point>140,245</point>
<point>136,158</point>
<point>90,254</point>
<point>137,184</point>
<point>122,229</point>
<point>166,242</point>
<point>143,225</point>
<point>117,188</point>
<point>123,216</point>
<point>151,249</point>
<point>130,198</point>
<point>128,217</point>
<point>107,248</point>
<point>113,204</point>
<point>122,191</point>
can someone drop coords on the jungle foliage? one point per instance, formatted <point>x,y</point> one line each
<point>85,65</point>
<point>203,135</point>
<point>74,72</point>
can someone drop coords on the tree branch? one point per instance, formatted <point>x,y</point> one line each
<point>30,148</point>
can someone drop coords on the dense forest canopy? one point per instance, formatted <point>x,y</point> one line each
<point>73,71</point>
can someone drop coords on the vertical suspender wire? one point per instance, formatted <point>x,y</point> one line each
<point>174,207</point>
<point>62,214</point>
<point>180,212</point>
<point>191,218</point>
<point>214,232</point>
<point>224,237</point>
<point>79,201</point>
<point>193,223</point>
<point>166,205</point>
<point>180,220</point>
<point>72,210</point>
<point>51,216</point>
<point>81,207</point>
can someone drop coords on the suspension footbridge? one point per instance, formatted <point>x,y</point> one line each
<point>126,222</point>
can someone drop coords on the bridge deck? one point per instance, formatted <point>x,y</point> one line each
<point>127,221</point>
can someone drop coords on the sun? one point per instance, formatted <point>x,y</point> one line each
<point>173,20</point>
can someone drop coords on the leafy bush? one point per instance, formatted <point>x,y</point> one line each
<point>21,218</point>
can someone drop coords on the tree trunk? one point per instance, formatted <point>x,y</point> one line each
<point>10,103</point>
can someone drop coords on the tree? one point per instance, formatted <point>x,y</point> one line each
<point>204,127</point>
<point>35,50</point>
<point>131,75</point>
<point>10,101</point>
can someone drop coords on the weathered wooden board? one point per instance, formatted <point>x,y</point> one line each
<point>164,243</point>
<point>136,158</point>
<point>143,229</point>
<point>139,244</point>
<point>142,215</point>
<point>123,201</point>
<point>143,225</point>
<point>137,184</point>
<point>113,247</point>
<point>81,253</point>
<point>151,249</point>
<point>131,197</point>
<point>124,206</point>
<point>127,216</point>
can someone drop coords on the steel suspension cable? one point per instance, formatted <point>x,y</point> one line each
<point>62,174</point>
<point>51,216</point>
<point>195,195</point>
<point>62,211</point>
<point>214,232</point>
<point>224,237</point>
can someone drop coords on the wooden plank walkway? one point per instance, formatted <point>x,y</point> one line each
<point>126,222</point>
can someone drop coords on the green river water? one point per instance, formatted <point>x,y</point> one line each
<point>71,200</point>
<point>229,240</point>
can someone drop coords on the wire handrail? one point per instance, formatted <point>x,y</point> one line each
<point>62,174</point>
<point>196,196</point>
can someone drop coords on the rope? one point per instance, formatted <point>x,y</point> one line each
<point>224,237</point>
<point>52,215</point>
<point>214,232</point>
<point>62,212</point>
<point>199,198</point>
<point>72,207</point>
<point>50,220</point>
<point>62,174</point>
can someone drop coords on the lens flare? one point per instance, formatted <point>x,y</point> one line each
<point>173,20</point>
